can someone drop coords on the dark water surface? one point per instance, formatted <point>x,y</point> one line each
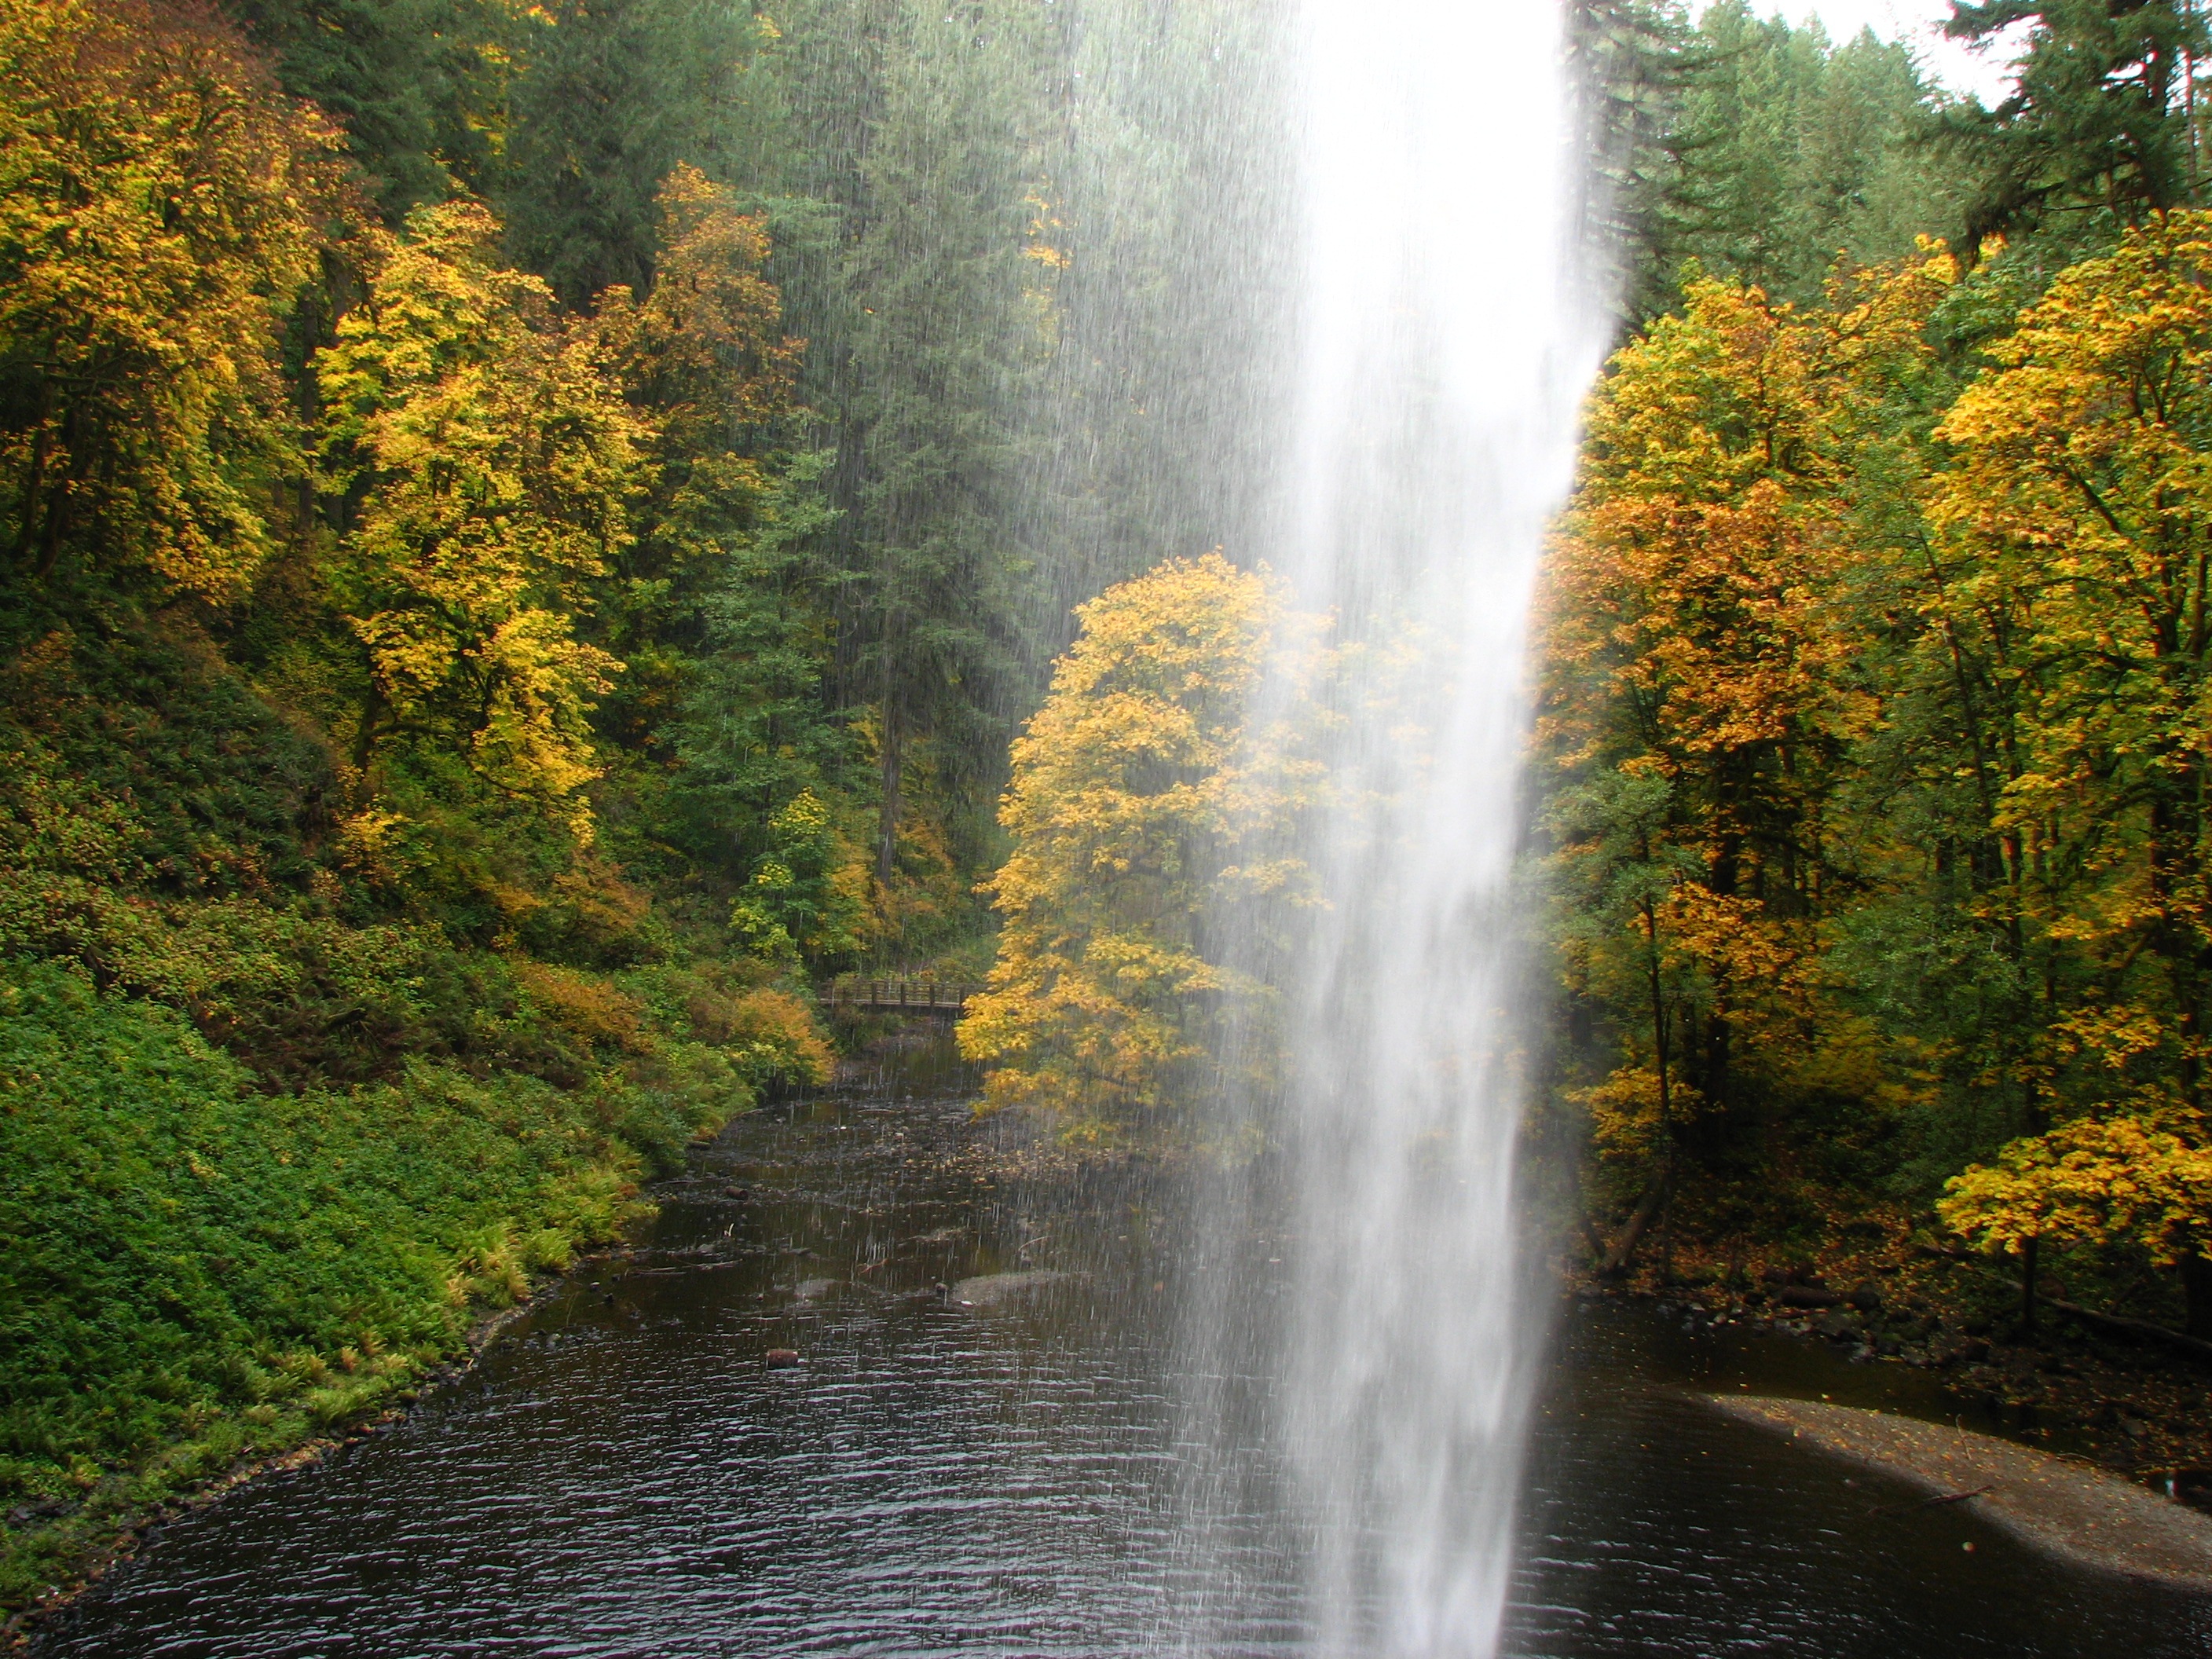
<point>625,1475</point>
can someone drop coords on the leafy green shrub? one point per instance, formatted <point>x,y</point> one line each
<point>195,1269</point>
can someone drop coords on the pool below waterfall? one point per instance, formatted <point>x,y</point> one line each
<point>626,1474</point>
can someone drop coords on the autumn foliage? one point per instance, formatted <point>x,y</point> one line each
<point>1875,697</point>
<point>1147,809</point>
<point>161,203</point>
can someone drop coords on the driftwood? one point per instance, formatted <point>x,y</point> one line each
<point>1934,1503</point>
<point>2181,1341</point>
<point>1654,1199</point>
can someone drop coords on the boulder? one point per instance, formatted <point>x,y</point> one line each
<point>992,1290</point>
<point>1807,1296</point>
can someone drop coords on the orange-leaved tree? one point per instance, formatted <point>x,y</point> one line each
<point>1153,822</point>
<point>2082,495</point>
<point>1699,697</point>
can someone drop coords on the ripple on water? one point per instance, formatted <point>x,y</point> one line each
<point>941,1480</point>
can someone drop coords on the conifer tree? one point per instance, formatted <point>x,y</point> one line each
<point>417,87</point>
<point>2099,130</point>
<point>615,93</point>
<point>936,363</point>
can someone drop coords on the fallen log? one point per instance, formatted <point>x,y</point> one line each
<point>1654,1199</point>
<point>1808,1296</point>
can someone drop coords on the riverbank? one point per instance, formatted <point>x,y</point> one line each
<point>108,1530</point>
<point>117,1533</point>
<point>2136,1407</point>
<point>203,1275</point>
<point>2059,1505</point>
<point>536,1251</point>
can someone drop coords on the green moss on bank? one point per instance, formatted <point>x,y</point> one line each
<point>199,1272</point>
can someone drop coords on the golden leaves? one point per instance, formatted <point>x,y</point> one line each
<point>1142,803</point>
<point>1702,642</point>
<point>501,459</point>
<point>2122,1179</point>
<point>160,202</point>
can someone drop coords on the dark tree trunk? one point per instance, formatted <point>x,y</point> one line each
<point>1624,1247</point>
<point>888,819</point>
<point>2197,1289</point>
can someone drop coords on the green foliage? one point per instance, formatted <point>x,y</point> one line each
<point>1801,152</point>
<point>938,352</point>
<point>418,87</point>
<point>2099,127</point>
<point>755,732</point>
<point>1760,151</point>
<point>198,1269</point>
<point>616,94</point>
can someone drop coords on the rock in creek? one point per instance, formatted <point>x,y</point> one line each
<point>782,1359</point>
<point>1807,1296</point>
<point>991,1289</point>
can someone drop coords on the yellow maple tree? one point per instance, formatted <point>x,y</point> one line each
<point>161,203</point>
<point>1152,823</point>
<point>2079,508</point>
<point>497,458</point>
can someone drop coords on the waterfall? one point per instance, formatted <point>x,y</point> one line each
<point>1445,333</point>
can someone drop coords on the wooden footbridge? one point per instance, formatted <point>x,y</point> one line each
<point>921,993</point>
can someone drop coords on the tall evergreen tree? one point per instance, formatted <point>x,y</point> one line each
<point>418,86</point>
<point>938,271</point>
<point>616,94</point>
<point>1633,62</point>
<point>1758,149</point>
<point>1803,151</point>
<point>2100,124</point>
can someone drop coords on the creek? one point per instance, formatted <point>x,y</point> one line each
<point>624,1473</point>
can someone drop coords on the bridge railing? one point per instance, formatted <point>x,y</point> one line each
<point>900,993</point>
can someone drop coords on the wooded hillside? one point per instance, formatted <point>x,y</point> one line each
<point>522,536</point>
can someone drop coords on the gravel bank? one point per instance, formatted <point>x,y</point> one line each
<point>2056,1504</point>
